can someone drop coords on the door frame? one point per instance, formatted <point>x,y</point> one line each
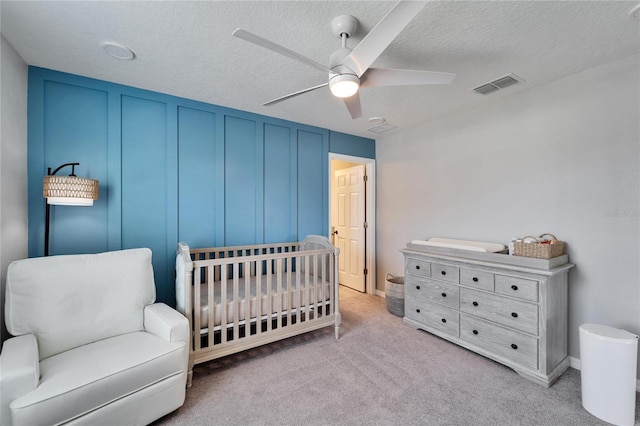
<point>370,208</point>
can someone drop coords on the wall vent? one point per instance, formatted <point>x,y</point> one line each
<point>497,84</point>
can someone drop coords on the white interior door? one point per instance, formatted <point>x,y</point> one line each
<point>349,202</point>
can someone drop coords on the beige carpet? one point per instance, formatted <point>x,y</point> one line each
<point>380,372</point>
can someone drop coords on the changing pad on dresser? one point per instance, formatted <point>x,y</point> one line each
<point>461,244</point>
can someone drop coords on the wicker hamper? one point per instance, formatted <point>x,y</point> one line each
<point>394,294</point>
<point>531,247</point>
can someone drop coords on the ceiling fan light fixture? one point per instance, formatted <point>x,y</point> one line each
<point>344,85</point>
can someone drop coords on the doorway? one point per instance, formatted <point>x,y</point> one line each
<point>352,219</point>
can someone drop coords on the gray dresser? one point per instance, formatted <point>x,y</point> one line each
<point>508,308</point>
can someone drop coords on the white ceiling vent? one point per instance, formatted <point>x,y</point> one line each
<point>381,128</point>
<point>497,84</point>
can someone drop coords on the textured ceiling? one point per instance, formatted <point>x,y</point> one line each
<point>186,49</point>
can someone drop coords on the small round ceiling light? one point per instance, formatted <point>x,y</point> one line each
<point>377,120</point>
<point>118,51</point>
<point>344,85</point>
<point>635,12</point>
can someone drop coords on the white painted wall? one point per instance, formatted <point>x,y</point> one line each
<point>13,163</point>
<point>561,158</point>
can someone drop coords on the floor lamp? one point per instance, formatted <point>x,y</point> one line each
<point>67,191</point>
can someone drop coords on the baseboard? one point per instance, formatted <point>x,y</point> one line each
<point>381,293</point>
<point>575,363</point>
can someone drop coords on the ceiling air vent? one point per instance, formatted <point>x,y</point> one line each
<point>381,128</point>
<point>497,84</point>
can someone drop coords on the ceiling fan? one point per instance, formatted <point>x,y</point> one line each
<point>349,69</point>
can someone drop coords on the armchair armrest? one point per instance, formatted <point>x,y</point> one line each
<point>167,323</point>
<point>19,371</point>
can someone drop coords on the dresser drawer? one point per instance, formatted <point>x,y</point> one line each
<point>509,344</point>
<point>522,316</point>
<point>478,279</point>
<point>517,287</point>
<point>418,267</point>
<point>432,315</point>
<point>434,291</point>
<point>450,273</point>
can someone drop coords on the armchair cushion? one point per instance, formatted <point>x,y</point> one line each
<point>73,300</point>
<point>76,382</point>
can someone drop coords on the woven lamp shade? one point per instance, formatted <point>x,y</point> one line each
<point>70,190</point>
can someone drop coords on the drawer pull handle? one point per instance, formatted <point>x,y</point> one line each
<point>475,279</point>
<point>417,266</point>
<point>475,331</point>
<point>514,287</point>
<point>514,346</point>
<point>443,272</point>
<point>475,303</point>
<point>513,314</point>
<point>444,320</point>
<point>417,287</point>
<point>444,294</point>
<point>418,310</point>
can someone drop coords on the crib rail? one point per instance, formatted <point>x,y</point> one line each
<point>241,297</point>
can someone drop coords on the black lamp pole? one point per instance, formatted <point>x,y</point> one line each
<point>48,206</point>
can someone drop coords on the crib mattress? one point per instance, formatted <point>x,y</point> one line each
<point>297,296</point>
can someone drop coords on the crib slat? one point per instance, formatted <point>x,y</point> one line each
<point>288,305</point>
<point>269,295</point>
<point>196,309</point>
<point>247,298</point>
<point>223,304</point>
<point>279,293</point>
<point>211,304</point>
<point>323,280</point>
<point>316,302</point>
<point>258,297</point>
<point>298,290</point>
<point>331,284</point>
<point>235,301</point>
<point>307,288</point>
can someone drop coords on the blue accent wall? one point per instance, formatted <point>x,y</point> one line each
<point>173,169</point>
<point>342,143</point>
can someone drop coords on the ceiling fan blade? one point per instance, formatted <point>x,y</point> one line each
<point>291,95</point>
<point>385,31</point>
<point>353,105</point>
<point>263,42</point>
<point>384,77</point>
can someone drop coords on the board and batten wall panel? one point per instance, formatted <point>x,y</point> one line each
<point>144,177</point>
<point>242,181</point>
<point>197,187</point>
<point>75,131</point>
<point>280,197</point>
<point>312,191</point>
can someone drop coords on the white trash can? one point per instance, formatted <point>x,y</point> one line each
<point>608,364</point>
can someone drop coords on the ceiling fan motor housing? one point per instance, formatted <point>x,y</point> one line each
<point>344,24</point>
<point>343,82</point>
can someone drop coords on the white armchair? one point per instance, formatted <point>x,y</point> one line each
<point>91,346</point>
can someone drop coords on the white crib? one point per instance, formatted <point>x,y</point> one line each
<point>272,291</point>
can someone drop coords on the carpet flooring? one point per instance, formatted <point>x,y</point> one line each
<point>380,372</point>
